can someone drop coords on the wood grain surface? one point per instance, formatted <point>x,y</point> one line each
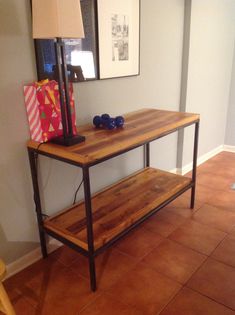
<point>140,127</point>
<point>117,207</point>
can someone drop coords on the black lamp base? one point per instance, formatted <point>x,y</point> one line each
<point>68,141</point>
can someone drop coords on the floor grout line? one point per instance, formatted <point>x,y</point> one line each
<point>68,267</point>
<point>210,298</point>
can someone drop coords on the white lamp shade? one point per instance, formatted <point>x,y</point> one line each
<point>57,18</point>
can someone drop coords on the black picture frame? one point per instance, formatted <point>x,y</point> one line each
<point>86,50</point>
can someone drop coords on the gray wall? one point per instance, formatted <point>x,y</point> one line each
<point>158,86</point>
<point>210,57</point>
<point>17,224</point>
<point>230,131</point>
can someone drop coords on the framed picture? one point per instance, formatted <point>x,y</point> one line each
<point>110,48</point>
<point>81,54</point>
<point>119,32</point>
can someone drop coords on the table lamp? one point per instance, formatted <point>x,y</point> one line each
<point>60,19</point>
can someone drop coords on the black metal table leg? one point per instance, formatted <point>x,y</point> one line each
<point>33,167</point>
<point>147,155</point>
<point>194,172</point>
<point>90,238</point>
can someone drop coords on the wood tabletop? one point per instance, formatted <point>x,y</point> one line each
<point>117,207</point>
<point>140,127</point>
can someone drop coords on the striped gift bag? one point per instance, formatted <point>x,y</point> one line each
<point>42,103</point>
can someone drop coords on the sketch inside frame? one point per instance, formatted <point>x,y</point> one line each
<point>120,37</point>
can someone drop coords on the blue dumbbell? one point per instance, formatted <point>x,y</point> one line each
<point>97,121</point>
<point>111,123</point>
<point>105,117</point>
<point>101,121</point>
<point>119,121</point>
<point>108,122</point>
<point>105,120</point>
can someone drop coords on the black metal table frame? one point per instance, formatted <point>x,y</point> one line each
<point>92,253</point>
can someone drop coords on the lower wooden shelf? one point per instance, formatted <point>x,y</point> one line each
<point>117,207</point>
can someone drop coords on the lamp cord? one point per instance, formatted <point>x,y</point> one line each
<point>77,190</point>
<point>36,155</point>
<point>75,196</point>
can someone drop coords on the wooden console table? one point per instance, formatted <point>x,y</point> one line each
<point>96,223</point>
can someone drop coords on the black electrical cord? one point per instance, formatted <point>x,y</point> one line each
<point>75,196</point>
<point>77,190</point>
<point>36,155</point>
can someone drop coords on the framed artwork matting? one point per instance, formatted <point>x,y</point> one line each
<point>119,34</point>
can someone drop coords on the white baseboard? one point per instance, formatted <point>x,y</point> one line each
<point>30,258</point>
<point>229,148</point>
<point>53,244</point>
<point>201,159</point>
<point>174,171</point>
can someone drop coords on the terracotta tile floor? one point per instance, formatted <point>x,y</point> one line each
<point>179,262</point>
